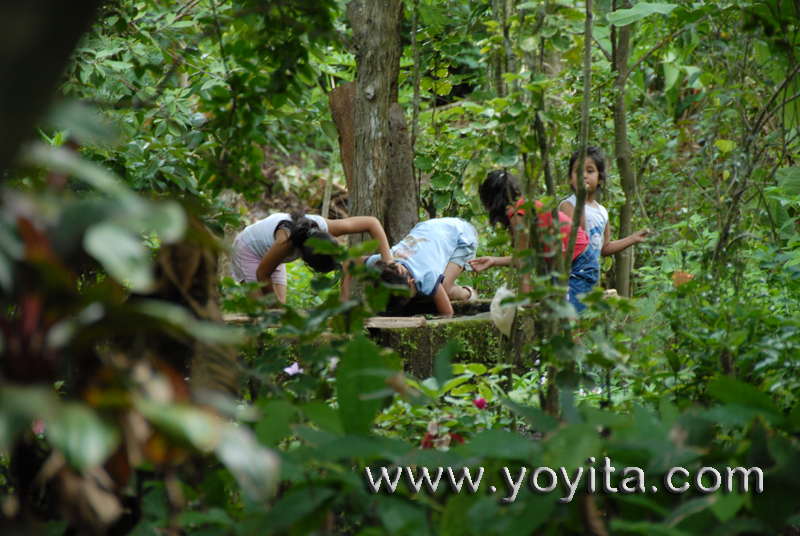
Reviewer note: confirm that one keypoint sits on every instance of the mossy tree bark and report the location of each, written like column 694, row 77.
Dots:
column 379, row 164
column 376, row 42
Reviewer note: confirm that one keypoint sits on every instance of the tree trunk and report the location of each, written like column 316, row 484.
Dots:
column 580, row 193
column 376, row 46
column 402, row 201
column 342, row 100
column 39, row 37
column 622, row 153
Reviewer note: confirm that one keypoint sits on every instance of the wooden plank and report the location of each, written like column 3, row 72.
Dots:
column 236, row 318
column 395, row 322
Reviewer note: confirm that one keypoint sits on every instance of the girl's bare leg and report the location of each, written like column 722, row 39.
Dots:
column 280, row 293
column 454, row 292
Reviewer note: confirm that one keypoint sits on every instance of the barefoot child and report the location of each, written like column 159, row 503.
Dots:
column 595, row 216
column 261, row 251
column 497, row 193
column 428, row 260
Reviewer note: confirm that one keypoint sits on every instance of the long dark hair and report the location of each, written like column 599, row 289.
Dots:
column 301, row 229
column 497, row 192
column 390, row 275
column 596, row 154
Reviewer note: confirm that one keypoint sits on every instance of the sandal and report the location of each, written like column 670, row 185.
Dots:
column 473, row 294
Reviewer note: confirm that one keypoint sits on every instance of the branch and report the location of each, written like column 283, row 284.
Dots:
column 778, row 91
column 604, row 51
column 656, row 47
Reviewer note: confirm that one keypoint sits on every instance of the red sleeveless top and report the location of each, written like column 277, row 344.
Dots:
column 545, row 221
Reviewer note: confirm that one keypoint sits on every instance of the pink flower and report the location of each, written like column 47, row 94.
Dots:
column 38, row 427
column 293, row 369
column 480, row 403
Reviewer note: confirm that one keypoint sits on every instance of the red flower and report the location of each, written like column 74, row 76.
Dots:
column 457, row 438
column 427, row 441
column 480, row 403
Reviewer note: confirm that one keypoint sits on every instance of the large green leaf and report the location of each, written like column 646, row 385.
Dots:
column 295, row 506
column 323, row 416
column 623, row 17
column 789, row 185
column 184, row 423
column 274, row 427
column 84, row 439
column 352, row 385
column 732, row 391
column 121, row 253
column 256, row 469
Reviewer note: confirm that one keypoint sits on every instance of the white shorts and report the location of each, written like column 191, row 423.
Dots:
column 244, row 264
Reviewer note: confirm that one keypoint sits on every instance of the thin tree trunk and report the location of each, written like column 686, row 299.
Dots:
column 622, row 153
column 415, row 48
column 497, row 56
column 580, row 194
column 373, row 23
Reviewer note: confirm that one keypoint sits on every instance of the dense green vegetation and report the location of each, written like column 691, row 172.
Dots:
column 164, row 105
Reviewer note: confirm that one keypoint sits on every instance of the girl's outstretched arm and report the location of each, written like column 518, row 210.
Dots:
column 610, row 248
column 279, row 250
column 363, row 224
column 483, row 263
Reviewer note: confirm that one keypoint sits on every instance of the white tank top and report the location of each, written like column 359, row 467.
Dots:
column 596, row 220
column 260, row 236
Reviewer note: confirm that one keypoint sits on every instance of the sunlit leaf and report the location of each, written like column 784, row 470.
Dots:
column 623, row 17
column 256, row 469
column 121, row 253
column 84, row 439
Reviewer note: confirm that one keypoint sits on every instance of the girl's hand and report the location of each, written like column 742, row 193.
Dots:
column 481, row 263
column 400, row 268
column 640, row 235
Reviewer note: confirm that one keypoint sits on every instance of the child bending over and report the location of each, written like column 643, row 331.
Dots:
column 261, row 251
column 428, row 261
column 497, row 193
column 595, row 217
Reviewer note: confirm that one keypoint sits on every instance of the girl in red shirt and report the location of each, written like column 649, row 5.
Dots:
column 497, row 193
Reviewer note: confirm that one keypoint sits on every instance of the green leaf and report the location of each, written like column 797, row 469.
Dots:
column 724, row 145
column 84, row 439
column 424, row 163
column 122, row 255
column 473, row 177
column 727, row 506
column 274, row 427
column 536, row 512
column 351, row 385
column 257, row 470
column 536, row 418
column 496, row 444
column 295, row 506
column 323, row 416
column 184, row 423
column 732, row 391
column 444, row 89
column 671, row 74
column 623, row 17
column 441, row 367
column 364, row 248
